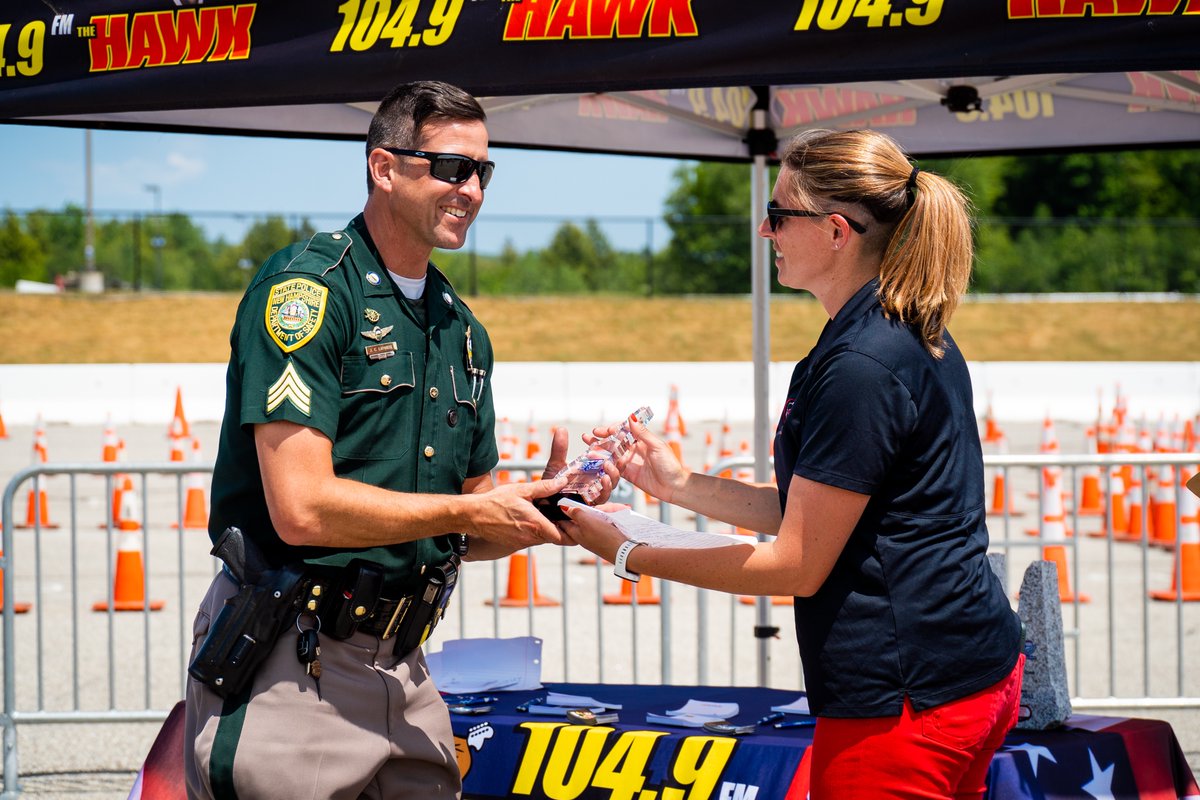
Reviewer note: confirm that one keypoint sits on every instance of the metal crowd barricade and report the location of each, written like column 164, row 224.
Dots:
column 1121, row 653
column 85, row 701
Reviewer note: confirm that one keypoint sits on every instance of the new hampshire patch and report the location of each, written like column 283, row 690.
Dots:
column 295, row 311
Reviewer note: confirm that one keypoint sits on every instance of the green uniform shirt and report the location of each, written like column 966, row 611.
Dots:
column 323, row 338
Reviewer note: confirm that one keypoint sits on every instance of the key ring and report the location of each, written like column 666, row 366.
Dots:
column 314, row 616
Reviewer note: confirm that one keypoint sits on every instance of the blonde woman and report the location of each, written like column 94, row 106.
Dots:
column 910, row 648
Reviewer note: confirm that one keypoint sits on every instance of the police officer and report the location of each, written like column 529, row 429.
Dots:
column 359, row 429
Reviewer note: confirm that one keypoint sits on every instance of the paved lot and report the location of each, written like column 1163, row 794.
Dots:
column 71, row 657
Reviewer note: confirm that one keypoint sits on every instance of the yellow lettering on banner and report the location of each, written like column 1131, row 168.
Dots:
column 534, row 755
column 1074, row 9
column 624, row 767
column 698, row 764
column 569, row 772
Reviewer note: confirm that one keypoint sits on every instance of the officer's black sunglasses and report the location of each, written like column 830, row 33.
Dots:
column 451, row 167
column 775, row 215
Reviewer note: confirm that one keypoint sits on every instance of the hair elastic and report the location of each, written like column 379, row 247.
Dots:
column 911, row 184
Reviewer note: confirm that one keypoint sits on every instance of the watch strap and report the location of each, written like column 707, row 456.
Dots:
column 619, row 562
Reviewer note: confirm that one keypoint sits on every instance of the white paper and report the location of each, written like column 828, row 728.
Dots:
column 577, row 701
column 681, row 720
column 649, row 531
column 797, row 706
column 469, row 666
column 544, row 710
column 704, row 708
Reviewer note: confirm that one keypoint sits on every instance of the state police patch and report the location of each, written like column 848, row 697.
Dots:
column 295, row 311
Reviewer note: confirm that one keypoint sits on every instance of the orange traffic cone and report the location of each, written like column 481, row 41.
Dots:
column 1162, row 533
column 991, row 432
column 645, row 594
column 522, row 584
column 1091, row 500
column 673, row 437
column 507, row 452
column 1052, row 476
column 1053, row 530
column 129, row 581
column 1000, row 494
column 179, row 425
column 1118, row 516
column 3, row 430
column 1187, row 561
column 674, row 418
column 38, row 508
column 177, row 448
column 111, row 444
column 37, row 513
column 744, row 473
column 121, row 485
column 1049, row 442
column 710, row 453
column 195, row 512
column 532, row 447
column 18, row 608
column 1134, row 506
column 129, row 516
column 725, row 445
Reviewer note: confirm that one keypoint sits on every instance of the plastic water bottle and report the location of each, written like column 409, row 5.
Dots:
column 584, row 474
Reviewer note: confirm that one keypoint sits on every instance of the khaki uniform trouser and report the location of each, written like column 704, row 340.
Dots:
column 379, row 729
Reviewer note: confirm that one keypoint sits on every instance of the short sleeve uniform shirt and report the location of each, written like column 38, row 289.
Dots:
column 323, row 338
column 911, row 607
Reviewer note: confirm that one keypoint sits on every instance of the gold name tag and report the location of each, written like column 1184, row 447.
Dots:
column 376, row 352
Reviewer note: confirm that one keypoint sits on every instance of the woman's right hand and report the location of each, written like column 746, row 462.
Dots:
column 650, row 464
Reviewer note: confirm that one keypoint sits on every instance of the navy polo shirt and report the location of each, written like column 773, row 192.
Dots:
column 911, row 608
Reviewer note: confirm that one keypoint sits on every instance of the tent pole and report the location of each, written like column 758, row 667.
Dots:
column 760, row 286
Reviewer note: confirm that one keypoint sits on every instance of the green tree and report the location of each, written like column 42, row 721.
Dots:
column 708, row 214
column 61, row 235
column 21, row 254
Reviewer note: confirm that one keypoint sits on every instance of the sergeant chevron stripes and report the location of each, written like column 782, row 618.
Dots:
column 290, row 386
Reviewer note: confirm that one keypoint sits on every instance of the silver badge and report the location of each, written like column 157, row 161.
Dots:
column 373, row 278
column 446, row 297
column 377, row 333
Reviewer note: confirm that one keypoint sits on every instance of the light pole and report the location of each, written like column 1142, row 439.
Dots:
column 91, row 280
column 157, row 241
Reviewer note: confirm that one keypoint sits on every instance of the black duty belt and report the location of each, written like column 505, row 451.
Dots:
column 386, row 617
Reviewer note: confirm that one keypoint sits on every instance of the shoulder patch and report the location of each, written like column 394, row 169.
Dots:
column 295, row 311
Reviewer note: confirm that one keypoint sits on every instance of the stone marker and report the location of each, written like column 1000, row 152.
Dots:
column 1045, row 700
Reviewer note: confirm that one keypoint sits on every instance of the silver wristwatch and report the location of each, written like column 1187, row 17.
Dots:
column 619, row 568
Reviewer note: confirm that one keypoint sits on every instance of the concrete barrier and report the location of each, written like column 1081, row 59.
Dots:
column 591, row 392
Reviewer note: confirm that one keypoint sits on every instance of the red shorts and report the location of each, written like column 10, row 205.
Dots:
column 943, row 752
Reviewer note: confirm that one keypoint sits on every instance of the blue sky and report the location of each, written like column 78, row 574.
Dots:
column 209, row 177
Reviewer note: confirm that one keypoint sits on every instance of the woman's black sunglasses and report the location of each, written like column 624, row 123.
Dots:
column 775, row 215
column 451, row 167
